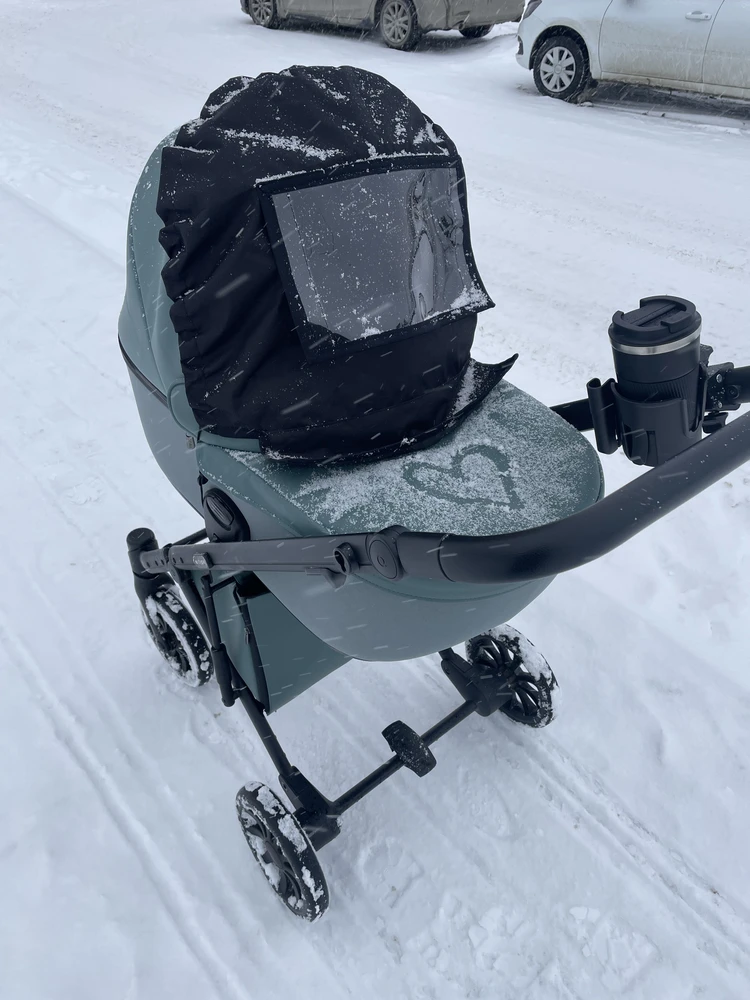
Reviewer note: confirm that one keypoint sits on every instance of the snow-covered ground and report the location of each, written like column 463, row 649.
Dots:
column 604, row 857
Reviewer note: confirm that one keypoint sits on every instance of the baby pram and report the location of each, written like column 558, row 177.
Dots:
column 319, row 546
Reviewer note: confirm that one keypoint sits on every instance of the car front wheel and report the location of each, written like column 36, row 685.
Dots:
column 561, row 68
column 264, row 13
column 399, row 27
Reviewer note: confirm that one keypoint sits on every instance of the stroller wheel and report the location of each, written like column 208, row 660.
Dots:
column 177, row 637
column 281, row 848
column 510, row 656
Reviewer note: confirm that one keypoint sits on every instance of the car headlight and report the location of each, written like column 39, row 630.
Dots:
column 531, row 6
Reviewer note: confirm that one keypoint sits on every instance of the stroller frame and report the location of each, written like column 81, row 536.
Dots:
column 316, row 814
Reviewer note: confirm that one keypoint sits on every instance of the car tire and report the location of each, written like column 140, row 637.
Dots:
column 476, row 31
column 399, row 26
column 561, row 68
column 264, row 13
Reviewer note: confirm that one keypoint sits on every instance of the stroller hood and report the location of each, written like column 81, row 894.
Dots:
column 324, row 292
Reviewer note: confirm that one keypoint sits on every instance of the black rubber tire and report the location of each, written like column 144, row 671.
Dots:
column 176, row 635
column 477, row 31
column 264, row 12
column 283, row 851
column 398, row 25
column 561, row 68
column 510, row 656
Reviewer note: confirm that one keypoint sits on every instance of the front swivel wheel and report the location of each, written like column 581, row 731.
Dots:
column 283, row 851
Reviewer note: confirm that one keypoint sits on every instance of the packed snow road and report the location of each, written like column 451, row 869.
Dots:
column 603, row 857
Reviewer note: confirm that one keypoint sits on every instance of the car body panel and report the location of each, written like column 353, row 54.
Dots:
column 317, row 9
column 656, row 39
column 715, row 58
column 431, row 14
column 727, row 61
column 476, row 12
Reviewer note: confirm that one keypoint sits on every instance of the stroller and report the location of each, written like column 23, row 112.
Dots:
column 253, row 326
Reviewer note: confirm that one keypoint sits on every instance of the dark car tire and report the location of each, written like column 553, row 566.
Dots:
column 476, row 31
column 561, row 68
column 398, row 24
column 264, row 13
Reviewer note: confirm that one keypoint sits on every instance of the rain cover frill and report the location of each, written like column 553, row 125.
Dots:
column 323, row 285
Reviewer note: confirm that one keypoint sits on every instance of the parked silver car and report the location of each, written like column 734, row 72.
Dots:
column 400, row 22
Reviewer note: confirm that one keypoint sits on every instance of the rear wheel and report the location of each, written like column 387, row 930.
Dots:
column 399, row 26
column 477, row 31
column 176, row 635
column 561, row 68
column 508, row 655
column 264, row 13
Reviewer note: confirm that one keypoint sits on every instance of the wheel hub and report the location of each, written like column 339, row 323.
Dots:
column 557, row 69
column 519, row 682
column 519, row 677
column 396, row 22
column 261, row 10
column 269, row 854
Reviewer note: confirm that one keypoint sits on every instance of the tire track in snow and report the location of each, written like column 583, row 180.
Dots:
column 49, row 216
column 168, row 887
column 554, row 212
column 662, row 862
column 568, row 786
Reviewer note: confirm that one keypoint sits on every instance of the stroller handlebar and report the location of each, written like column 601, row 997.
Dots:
column 582, row 537
column 534, row 553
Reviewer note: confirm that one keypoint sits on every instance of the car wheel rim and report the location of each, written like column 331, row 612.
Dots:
column 557, row 69
column 396, row 22
column 262, row 11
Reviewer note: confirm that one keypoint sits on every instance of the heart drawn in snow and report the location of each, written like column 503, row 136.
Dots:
column 475, row 476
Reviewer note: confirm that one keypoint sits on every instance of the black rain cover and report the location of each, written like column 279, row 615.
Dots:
column 272, row 346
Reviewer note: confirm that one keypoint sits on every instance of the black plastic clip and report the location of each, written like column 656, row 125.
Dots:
column 714, row 421
column 604, row 415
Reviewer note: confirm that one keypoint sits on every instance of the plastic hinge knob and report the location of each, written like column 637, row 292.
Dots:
column 383, row 555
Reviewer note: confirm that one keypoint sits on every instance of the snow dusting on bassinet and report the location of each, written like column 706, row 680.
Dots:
column 512, row 464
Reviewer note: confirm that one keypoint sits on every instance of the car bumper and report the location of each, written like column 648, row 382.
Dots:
column 528, row 32
column 470, row 13
column 522, row 55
